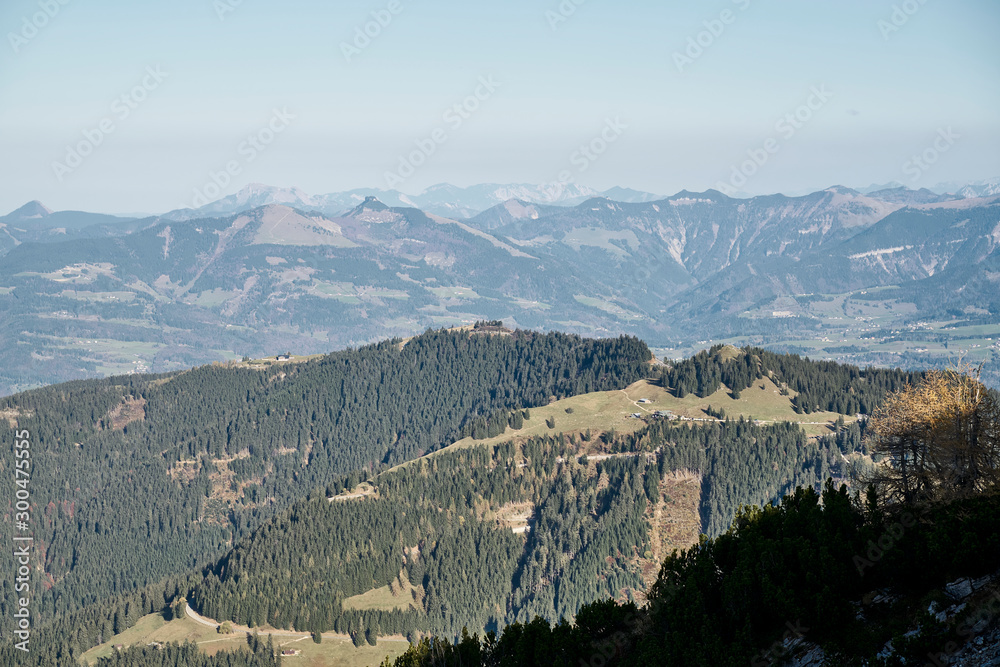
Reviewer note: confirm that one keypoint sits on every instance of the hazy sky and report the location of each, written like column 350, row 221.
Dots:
column 201, row 76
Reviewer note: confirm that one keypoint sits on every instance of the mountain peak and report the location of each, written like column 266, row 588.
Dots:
column 707, row 195
column 371, row 203
column 876, row 187
column 372, row 210
column 260, row 193
column 32, row 210
column 907, row 197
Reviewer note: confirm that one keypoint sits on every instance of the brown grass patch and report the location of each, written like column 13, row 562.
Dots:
column 131, row 409
column 183, row 471
column 516, row 516
column 222, row 488
column 12, row 415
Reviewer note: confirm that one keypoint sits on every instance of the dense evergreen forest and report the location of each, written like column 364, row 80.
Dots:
column 818, row 385
column 64, row 640
column 434, row 524
column 213, row 484
column 142, row 477
column 906, row 574
column 744, row 463
column 259, row 653
column 798, row 570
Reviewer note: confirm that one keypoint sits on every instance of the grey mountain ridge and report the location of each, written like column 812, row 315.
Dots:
column 289, row 276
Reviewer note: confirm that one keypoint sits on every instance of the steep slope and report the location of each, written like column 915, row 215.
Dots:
column 705, row 233
column 553, row 530
column 905, row 248
column 569, row 501
column 559, row 513
column 147, row 476
column 918, row 242
column 911, row 586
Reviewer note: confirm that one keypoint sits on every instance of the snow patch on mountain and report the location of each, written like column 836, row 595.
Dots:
column 879, row 252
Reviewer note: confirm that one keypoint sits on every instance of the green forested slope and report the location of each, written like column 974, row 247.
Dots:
column 824, row 570
column 297, row 569
column 136, row 478
column 140, row 479
column 589, row 536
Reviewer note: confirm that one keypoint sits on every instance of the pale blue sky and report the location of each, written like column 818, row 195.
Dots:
column 353, row 120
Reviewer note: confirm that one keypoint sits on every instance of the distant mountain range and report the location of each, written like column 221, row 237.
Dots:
column 35, row 222
column 457, row 202
column 448, row 200
column 271, row 269
column 443, row 199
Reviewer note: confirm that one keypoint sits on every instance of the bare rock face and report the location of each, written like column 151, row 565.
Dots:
column 959, row 589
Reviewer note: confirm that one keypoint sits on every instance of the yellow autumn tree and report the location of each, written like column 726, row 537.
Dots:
column 939, row 440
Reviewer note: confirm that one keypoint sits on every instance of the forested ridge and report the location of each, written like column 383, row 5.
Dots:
column 818, row 385
column 905, row 573
column 434, row 523
column 137, row 478
column 64, row 640
column 229, row 455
